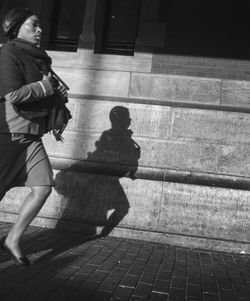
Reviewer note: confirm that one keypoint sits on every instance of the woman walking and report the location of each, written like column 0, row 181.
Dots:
column 29, row 107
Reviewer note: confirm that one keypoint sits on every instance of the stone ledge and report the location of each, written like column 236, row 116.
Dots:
column 149, row 173
column 163, row 102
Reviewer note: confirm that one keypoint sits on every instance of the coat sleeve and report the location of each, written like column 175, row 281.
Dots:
column 30, row 92
column 12, row 82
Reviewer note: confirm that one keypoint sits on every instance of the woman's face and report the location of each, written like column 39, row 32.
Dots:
column 31, row 30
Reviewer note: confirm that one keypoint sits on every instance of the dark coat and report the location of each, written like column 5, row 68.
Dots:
column 18, row 69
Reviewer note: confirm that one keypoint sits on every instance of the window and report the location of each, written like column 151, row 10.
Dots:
column 118, row 32
column 66, row 25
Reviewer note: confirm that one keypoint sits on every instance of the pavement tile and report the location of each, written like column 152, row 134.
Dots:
column 178, row 282
column 227, row 295
column 164, row 275
column 210, row 297
column 87, row 269
column 69, row 267
column 122, row 293
column 190, row 298
column 242, row 292
column 194, row 291
column 137, row 298
column 129, row 280
column 167, row 266
column 180, row 272
column 98, row 276
column 176, row 294
column 136, row 269
column 161, row 286
column 224, row 284
column 100, row 296
column 109, row 284
column 143, row 290
column 151, row 268
column 84, row 292
column 148, row 278
column 158, row 297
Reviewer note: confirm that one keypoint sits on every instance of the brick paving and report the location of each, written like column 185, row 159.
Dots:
column 71, row 266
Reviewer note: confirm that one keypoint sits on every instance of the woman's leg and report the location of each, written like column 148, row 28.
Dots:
column 29, row 209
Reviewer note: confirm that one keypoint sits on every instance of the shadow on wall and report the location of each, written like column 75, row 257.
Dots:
column 97, row 199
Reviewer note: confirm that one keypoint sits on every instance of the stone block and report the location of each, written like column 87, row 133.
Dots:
column 65, row 58
column 215, row 126
column 75, row 145
column 146, row 120
column 13, row 200
column 140, row 62
column 145, row 201
column 208, row 212
column 104, row 200
column 94, row 82
column 175, row 88
column 178, row 155
column 136, row 151
column 234, row 160
column 235, row 93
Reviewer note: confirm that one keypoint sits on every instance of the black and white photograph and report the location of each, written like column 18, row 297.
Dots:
column 124, row 150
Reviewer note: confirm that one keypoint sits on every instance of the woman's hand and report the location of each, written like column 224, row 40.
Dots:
column 62, row 91
column 49, row 78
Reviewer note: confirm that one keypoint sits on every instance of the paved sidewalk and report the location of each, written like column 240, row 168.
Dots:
column 69, row 266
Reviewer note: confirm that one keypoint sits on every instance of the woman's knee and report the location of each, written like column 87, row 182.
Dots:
column 41, row 192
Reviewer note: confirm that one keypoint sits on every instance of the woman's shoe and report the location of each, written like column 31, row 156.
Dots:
column 23, row 260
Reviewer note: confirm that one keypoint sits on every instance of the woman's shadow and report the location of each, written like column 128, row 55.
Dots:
column 93, row 199
column 95, row 196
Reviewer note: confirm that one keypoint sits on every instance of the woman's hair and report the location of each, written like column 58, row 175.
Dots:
column 14, row 20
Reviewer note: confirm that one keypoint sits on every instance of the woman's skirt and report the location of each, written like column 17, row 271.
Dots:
column 23, row 162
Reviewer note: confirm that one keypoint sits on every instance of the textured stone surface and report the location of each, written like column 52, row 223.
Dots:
column 94, row 82
column 146, row 120
column 97, row 200
column 235, row 93
column 145, row 203
column 103, row 200
column 216, row 126
column 75, row 145
column 188, row 215
column 170, row 154
column 86, row 59
column 207, row 212
column 234, row 160
column 180, row 155
column 175, row 88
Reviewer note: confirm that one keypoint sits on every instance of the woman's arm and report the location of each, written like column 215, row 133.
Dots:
column 31, row 92
column 13, row 85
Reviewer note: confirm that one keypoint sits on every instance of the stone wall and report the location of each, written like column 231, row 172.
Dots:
column 238, row 69
column 181, row 175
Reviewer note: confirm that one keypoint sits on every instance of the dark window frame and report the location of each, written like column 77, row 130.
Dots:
column 59, row 44
column 102, row 29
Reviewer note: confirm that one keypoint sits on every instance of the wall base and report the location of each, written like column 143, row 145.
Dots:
column 156, row 237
